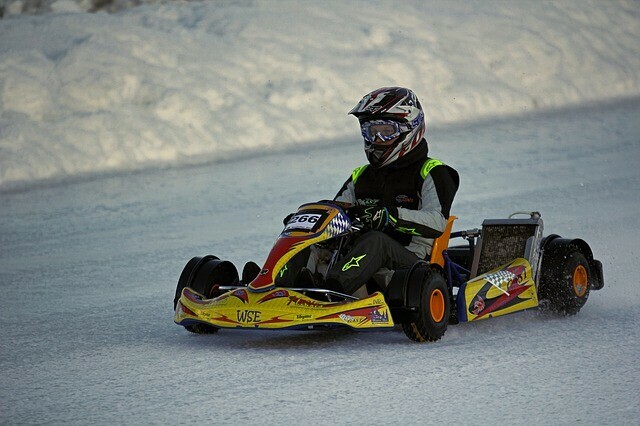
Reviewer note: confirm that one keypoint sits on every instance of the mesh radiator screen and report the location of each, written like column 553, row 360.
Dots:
column 501, row 244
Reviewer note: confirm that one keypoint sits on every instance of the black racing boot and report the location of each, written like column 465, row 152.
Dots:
column 307, row 279
column 333, row 285
column 249, row 273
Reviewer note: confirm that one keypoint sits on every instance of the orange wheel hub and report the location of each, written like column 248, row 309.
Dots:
column 436, row 305
column 580, row 281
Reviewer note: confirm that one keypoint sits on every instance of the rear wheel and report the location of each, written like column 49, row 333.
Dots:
column 434, row 310
column 565, row 288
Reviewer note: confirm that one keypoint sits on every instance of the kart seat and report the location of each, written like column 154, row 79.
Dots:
column 441, row 243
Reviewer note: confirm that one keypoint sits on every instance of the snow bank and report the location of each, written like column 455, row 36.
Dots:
column 180, row 83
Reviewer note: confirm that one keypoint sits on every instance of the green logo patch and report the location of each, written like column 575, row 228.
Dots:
column 354, row 262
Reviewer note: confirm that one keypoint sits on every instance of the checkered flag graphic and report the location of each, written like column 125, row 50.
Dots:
column 339, row 225
column 500, row 277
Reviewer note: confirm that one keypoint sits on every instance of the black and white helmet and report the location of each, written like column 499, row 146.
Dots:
column 392, row 124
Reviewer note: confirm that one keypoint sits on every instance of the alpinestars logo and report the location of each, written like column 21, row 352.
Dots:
column 354, row 262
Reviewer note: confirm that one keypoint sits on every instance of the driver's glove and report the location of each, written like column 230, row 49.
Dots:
column 373, row 217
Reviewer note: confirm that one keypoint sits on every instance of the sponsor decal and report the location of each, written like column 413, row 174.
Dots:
column 347, row 318
column 368, row 202
column 303, row 317
column 404, row 199
column 373, row 314
column 354, row 262
column 511, row 278
column 520, row 273
column 247, row 316
column 500, row 278
column 378, row 317
column 283, row 271
column 298, row 301
column 410, row 231
column 478, row 305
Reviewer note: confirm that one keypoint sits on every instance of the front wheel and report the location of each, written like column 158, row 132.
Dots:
column 434, row 310
column 204, row 275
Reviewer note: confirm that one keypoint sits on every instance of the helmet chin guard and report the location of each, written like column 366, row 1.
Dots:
column 380, row 156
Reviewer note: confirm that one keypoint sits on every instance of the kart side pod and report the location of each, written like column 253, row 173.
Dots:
column 403, row 294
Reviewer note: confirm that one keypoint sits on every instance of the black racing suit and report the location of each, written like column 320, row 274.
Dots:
column 422, row 190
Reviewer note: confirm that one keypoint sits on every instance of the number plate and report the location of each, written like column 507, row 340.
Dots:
column 305, row 221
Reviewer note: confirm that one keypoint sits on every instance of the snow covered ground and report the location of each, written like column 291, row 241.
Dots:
column 88, row 268
column 184, row 83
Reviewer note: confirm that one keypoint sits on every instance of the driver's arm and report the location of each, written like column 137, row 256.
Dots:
column 347, row 193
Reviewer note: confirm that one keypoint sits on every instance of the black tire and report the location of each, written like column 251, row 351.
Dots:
column 186, row 277
column 204, row 275
column 201, row 328
column 434, row 310
column 565, row 284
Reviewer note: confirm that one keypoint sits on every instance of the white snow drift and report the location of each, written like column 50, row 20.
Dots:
column 195, row 82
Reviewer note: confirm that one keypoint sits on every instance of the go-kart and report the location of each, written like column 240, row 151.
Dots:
column 506, row 266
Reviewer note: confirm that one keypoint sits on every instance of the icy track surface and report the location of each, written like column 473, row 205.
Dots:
column 88, row 271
